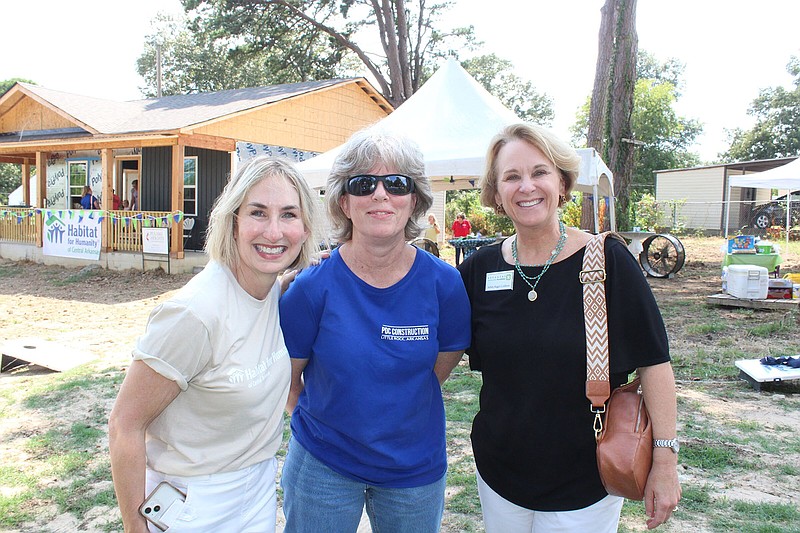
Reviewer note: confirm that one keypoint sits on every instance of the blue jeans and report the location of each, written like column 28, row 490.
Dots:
column 315, row 498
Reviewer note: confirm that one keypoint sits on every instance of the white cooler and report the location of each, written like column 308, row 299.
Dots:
column 748, row 281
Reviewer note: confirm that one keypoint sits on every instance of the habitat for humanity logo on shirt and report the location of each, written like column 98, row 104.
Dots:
column 405, row 333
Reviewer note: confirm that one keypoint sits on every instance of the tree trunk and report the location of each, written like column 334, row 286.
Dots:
column 402, row 47
column 598, row 106
column 623, row 84
column 602, row 78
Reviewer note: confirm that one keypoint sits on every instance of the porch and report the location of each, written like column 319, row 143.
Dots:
column 21, row 239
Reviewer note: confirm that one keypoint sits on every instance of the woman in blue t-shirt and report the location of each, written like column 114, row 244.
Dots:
column 88, row 200
column 372, row 332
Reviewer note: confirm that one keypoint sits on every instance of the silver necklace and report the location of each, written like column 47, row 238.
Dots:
column 562, row 239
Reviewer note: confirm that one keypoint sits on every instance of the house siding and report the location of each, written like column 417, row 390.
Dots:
column 702, row 191
column 213, row 170
column 316, row 122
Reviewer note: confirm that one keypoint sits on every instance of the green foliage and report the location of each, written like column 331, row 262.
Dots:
column 571, row 211
column 481, row 218
column 10, row 179
column 648, row 215
column 310, row 39
column 776, row 132
column 666, row 136
column 196, row 58
column 5, row 85
column 497, row 76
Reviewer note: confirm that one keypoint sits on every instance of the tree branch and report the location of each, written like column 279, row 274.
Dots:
column 342, row 40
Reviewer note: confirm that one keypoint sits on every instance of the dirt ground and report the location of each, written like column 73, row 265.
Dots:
column 103, row 312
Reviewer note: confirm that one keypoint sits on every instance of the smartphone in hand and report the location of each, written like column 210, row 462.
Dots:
column 163, row 505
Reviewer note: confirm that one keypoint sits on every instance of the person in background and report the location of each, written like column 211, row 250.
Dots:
column 115, row 201
column 125, row 204
column 373, row 332
column 461, row 228
column 135, row 195
column 88, row 200
column 432, row 231
column 201, row 406
column 533, row 437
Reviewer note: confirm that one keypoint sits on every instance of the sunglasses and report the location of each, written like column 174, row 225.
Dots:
column 395, row 184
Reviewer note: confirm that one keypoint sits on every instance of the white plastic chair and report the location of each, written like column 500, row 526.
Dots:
column 188, row 224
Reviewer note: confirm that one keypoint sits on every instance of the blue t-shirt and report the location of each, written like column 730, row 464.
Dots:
column 372, row 407
column 87, row 201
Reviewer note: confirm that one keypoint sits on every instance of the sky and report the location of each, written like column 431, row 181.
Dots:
column 731, row 49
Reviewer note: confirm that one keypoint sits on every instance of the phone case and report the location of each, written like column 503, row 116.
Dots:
column 162, row 506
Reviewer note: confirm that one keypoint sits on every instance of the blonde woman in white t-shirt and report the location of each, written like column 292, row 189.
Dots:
column 201, row 405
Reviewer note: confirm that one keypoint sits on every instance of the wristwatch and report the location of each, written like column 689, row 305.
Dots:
column 672, row 444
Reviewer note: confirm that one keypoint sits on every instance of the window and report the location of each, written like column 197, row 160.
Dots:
column 190, row 185
column 78, row 174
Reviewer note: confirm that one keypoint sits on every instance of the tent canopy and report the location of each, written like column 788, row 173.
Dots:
column 453, row 118
column 783, row 177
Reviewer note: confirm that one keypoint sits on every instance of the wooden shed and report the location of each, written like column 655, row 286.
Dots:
column 180, row 149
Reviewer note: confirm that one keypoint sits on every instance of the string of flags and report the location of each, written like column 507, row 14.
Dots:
column 135, row 219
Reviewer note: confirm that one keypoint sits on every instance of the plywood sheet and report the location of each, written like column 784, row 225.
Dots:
column 52, row 355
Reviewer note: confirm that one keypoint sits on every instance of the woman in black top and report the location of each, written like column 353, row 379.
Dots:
column 533, row 440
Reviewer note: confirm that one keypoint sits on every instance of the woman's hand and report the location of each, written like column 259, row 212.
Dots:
column 144, row 394
column 288, row 277
column 662, row 491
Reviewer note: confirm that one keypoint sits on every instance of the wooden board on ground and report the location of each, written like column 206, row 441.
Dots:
column 52, row 355
column 732, row 301
column 762, row 376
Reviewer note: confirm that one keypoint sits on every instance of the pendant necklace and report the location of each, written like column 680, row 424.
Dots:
column 562, row 239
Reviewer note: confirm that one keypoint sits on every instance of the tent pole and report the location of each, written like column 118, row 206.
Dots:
column 612, row 208
column 727, row 209
column 597, row 199
column 788, row 216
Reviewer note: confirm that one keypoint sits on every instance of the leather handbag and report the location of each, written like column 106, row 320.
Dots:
column 622, row 426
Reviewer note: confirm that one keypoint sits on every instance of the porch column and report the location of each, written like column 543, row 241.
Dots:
column 26, row 182
column 41, row 180
column 107, row 174
column 176, row 244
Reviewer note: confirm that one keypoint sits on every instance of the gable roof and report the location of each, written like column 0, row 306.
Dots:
column 168, row 113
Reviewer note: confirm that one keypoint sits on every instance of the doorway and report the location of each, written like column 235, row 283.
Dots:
column 127, row 172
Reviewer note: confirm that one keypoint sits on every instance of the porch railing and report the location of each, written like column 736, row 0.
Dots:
column 19, row 224
column 123, row 229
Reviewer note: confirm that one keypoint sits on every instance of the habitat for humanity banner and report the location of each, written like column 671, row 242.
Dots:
column 72, row 233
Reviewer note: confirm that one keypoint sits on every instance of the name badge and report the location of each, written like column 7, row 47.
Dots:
column 500, row 281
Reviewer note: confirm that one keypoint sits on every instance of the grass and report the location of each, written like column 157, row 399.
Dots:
column 10, row 270
column 64, row 467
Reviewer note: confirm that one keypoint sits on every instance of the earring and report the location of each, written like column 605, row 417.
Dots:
column 499, row 209
column 562, row 199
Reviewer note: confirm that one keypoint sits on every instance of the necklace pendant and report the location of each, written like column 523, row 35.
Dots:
column 532, row 295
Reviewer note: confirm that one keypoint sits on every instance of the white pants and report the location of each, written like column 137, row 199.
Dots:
column 502, row 516
column 229, row 502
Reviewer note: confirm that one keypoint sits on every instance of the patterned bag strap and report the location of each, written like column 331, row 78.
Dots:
column 595, row 316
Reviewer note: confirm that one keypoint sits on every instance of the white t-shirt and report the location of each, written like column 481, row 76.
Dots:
column 225, row 350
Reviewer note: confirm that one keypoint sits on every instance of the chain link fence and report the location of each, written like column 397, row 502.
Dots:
column 710, row 218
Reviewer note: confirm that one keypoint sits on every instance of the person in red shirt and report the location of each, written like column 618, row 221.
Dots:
column 115, row 201
column 461, row 228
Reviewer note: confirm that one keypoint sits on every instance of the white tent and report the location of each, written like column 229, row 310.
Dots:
column 453, row 118
column 15, row 196
column 783, row 177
